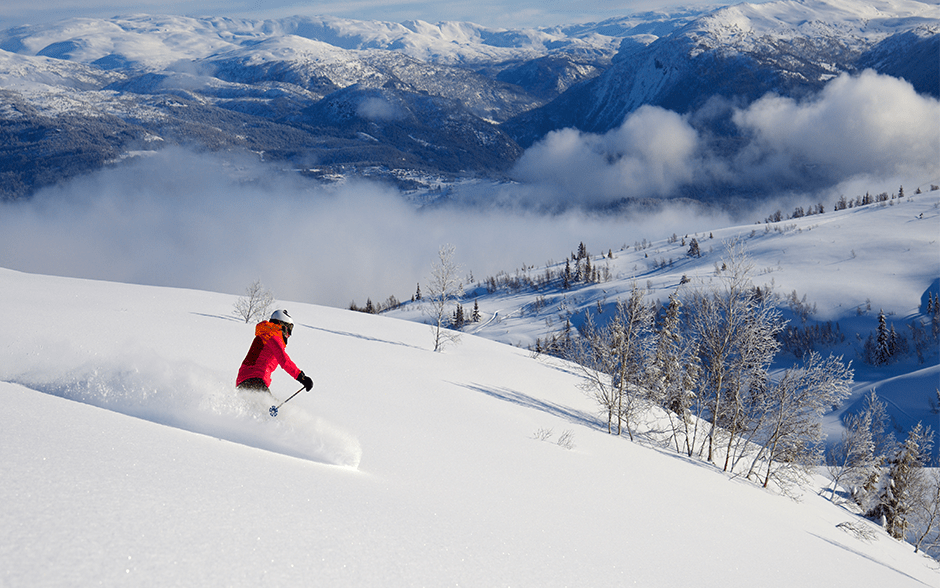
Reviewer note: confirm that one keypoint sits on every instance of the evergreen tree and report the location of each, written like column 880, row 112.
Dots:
column 582, row 251
column 886, row 344
column 694, row 250
column 663, row 372
column 901, row 484
column 883, row 445
column 883, row 352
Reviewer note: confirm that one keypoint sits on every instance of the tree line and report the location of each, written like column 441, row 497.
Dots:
column 704, row 359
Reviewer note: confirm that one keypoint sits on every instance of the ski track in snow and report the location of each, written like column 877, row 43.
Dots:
column 192, row 399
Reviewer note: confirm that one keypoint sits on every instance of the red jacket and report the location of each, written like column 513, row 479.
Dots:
column 267, row 351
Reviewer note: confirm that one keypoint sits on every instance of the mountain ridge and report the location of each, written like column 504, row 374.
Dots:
column 524, row 83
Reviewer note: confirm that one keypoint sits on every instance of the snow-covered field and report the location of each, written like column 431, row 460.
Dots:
column 126, row 458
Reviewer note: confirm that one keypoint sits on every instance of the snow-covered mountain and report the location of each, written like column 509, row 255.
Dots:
column 126, row 456
column 744, row 51
column 432, row 101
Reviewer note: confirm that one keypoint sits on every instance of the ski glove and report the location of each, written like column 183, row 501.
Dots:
column 306, row 381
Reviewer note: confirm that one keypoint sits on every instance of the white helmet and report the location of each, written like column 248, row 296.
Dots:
column 283, row 317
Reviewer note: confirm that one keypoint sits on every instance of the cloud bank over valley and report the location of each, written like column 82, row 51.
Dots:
column 868, row 128
column 218, row 221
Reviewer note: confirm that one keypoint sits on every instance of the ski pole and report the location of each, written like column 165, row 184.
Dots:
column 273, row 409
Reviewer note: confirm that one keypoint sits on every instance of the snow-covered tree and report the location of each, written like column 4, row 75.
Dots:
column 884, row 347
column 852, row 460
column 255, row 305
column 865, row 492
column 927, row 514
column 629, row 330
column 582, row 251
column 665, row 368
column 672, row 373
column 792, row 411
column 904, row 482
column 735, row 329
column 612, row 359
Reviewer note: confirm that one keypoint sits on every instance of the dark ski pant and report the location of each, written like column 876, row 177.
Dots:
column 254, row 385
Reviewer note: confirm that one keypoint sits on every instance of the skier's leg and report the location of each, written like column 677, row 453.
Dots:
column 254, row 385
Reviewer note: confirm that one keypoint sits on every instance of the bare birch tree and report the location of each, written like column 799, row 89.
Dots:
column 927, row 514
column 445, row 287
column 589, row 351
column 255, row 305
column 630, row 332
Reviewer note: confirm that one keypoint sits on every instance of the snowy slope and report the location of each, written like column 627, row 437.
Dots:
column 451, row 487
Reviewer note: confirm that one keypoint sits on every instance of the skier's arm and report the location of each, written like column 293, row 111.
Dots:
column 291, row 368
column 285, row 362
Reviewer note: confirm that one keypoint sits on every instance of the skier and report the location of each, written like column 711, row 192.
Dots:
column 268, row 350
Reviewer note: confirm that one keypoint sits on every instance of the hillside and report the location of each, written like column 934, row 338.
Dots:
column 439, row 476
column 835, row 269
column 126, row 455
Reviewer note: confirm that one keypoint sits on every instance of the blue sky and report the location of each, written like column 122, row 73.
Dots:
column 494, row 13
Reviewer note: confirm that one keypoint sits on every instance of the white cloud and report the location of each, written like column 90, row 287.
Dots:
column 652, row 153
column 870, row 126
column 218, row 222
column 379, row 109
